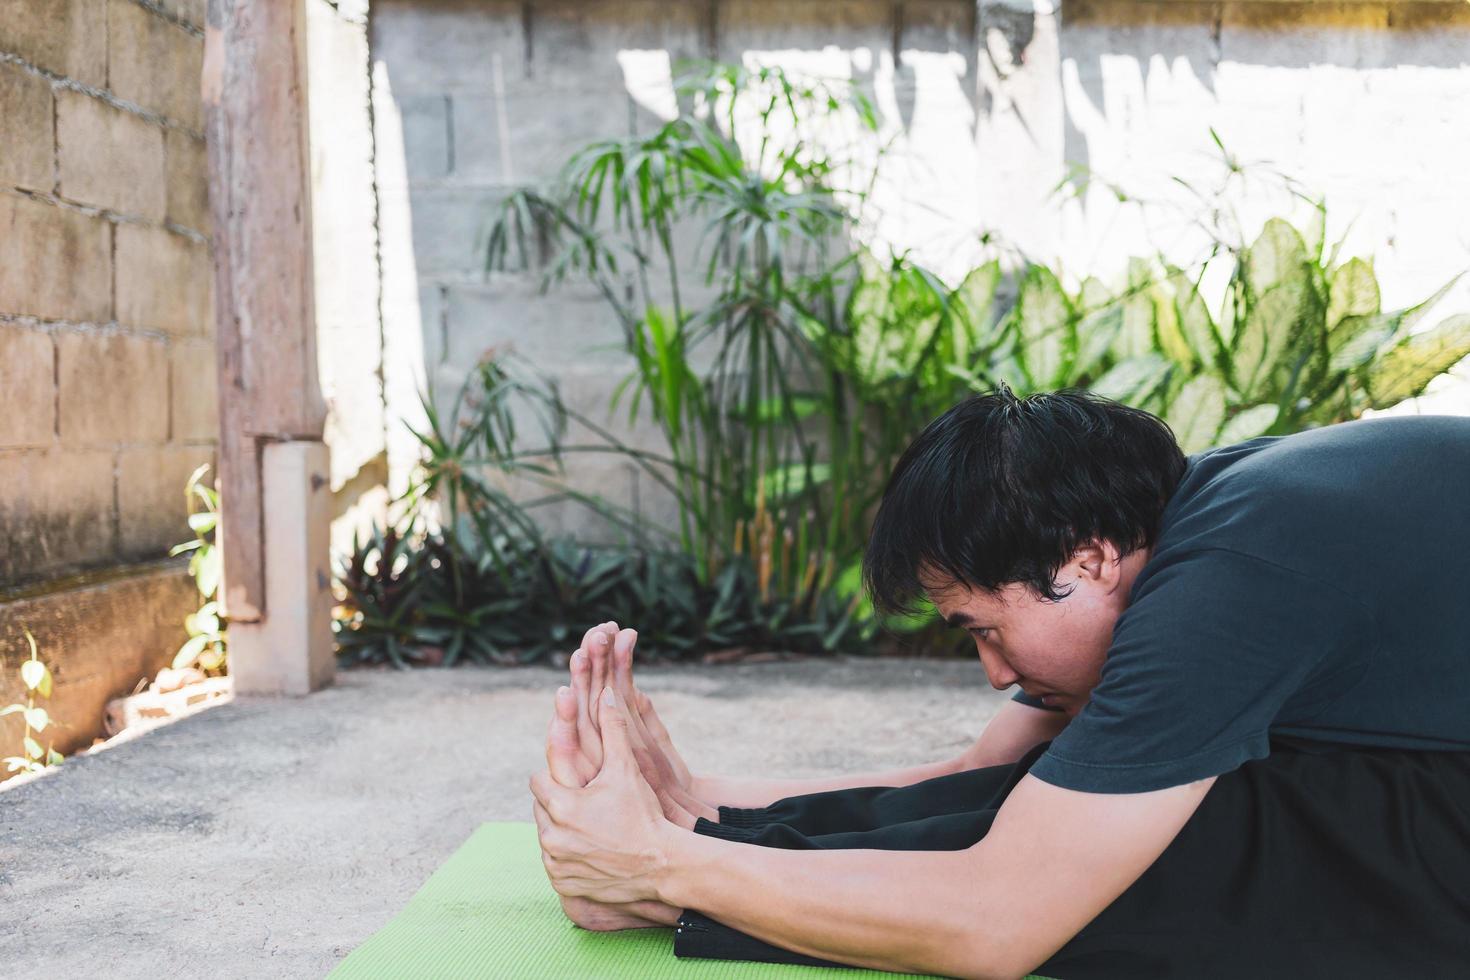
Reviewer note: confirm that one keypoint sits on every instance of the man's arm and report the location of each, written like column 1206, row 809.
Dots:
column 1014, row 729
column 1053, row 860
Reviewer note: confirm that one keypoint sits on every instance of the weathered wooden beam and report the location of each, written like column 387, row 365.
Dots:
column 254, row 90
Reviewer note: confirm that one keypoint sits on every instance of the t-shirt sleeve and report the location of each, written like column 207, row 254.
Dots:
column 1203, row 658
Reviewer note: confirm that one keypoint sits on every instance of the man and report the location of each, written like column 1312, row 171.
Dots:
column 1241, row 746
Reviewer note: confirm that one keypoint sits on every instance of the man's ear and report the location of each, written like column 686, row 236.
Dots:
column 1098, row 561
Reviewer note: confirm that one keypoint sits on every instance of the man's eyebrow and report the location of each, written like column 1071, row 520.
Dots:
column 959, row 620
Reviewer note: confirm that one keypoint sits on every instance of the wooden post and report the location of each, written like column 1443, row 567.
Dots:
column 254, row 91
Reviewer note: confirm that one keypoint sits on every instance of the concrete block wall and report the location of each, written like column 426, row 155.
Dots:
column 106, row 333
column 990, row 106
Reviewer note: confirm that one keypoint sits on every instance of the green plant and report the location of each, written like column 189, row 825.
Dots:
column 775, row 207
column 485, row 585
column 208, row 643
column 36, row 677
column 786, row 396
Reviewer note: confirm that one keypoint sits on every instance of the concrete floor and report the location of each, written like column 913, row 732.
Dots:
column 269, row 837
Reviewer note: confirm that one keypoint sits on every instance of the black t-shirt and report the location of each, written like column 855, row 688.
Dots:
column 1315, row 585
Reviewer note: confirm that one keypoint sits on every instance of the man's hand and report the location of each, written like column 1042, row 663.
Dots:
column 607, row 653
column 563, row 761
column 607, row 841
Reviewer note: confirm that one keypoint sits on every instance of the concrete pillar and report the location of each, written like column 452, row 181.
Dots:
column 275, row 488
column 290, row 650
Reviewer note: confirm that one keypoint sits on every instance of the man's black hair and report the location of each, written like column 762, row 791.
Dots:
column 1002, row 490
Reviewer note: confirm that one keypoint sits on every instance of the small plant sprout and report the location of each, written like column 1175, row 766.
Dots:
column 37, row 679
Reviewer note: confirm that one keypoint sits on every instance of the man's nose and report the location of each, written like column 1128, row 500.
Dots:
column 997, row 671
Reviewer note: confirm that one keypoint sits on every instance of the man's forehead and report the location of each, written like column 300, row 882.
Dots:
column 951, row 595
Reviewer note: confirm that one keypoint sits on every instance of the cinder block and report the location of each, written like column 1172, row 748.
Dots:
column 152, row 508
column 55, row 512
column 433, row 47
column 558, row 331
column 54, row 263
column 187, row 169
column 577, row 43
column 163, row 281
column 528, row 136
column 27, row 138
column 114, row 389
column 195, row 389
column 68, row 37
column 154, row 63
column 939, row 26
column 28, row 387
column 450, row 226
column 1353, row 35
column 109, row 158
column 425, row 135
column 805, row 25
column 190, row 11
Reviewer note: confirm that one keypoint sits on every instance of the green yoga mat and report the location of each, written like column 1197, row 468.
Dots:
column 489, row 912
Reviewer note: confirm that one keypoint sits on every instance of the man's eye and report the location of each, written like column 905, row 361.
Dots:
column 981, row 631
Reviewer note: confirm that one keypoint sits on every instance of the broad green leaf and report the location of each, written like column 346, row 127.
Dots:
column 1276, row 257
column 32, row 747
column 1172, row 341
column 1196, row 412
column 1248, row 424
column 1136, row 336
column 1133, row 380
column 209, row 571
column 189, row 652
column 1195, row 321
column 1044, row 321
column 34, row 675
column 37, row 718
column 974, row 302
column 1096, row 332
column 1419, row 311
column 1407, row 369
column 54, row 758
column 1268, row 330
column 1352, row 291
column 203, row 522
column 1357, row 339
column 212, row 658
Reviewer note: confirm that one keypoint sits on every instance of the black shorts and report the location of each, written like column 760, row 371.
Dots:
column 1319, row 861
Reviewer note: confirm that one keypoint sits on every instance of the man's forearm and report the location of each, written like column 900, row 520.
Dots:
column 719, row 791
column 904, row 911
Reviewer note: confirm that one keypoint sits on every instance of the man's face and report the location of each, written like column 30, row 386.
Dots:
column 1053, row 650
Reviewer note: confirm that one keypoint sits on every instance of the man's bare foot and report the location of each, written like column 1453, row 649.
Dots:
column 668, row 775
column 565, row 761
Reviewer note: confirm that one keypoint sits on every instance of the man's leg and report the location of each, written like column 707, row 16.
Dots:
column 835, row 818
column 1317, row 861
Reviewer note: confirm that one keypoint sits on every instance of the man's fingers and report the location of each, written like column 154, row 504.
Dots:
column 590, row 742
column 599, row 652
column 623, row 647
column 551, row 794
column 561, row 744
column 617, row 747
